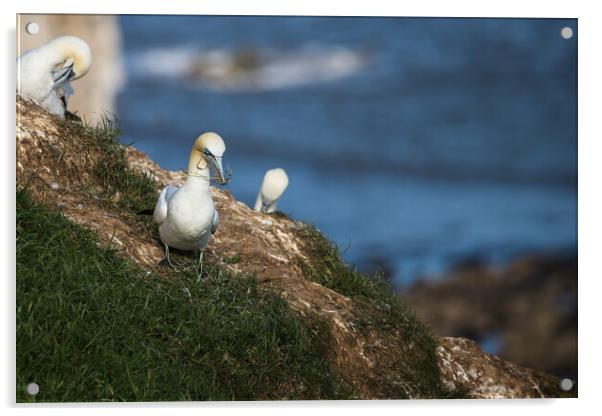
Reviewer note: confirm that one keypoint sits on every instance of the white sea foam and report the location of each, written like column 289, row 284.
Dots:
column 251, row 69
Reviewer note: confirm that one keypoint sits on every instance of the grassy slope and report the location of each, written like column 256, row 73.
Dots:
column 92, row 326
column 380, row 310
column 113, row 182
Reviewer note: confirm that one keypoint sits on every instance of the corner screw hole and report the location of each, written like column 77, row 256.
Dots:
column 32, row 389
column 32, row 28
column 566, row 32
column 566, row 384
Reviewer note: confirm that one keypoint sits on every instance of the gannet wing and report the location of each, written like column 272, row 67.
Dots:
column 160, row 213
column 215, row 222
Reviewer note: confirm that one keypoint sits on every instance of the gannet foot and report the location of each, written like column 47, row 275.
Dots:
column 199, row 267
column 167, row 259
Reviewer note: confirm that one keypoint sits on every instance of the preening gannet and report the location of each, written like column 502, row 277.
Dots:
column 186, row 215
column 273, row 186
column 44, row 73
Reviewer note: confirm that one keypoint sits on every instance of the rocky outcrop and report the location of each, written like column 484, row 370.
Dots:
column 529, row 308
column 463, row 364
column 54, row 164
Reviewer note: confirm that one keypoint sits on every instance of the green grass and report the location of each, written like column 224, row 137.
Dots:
column 328, row 269
column 380, row 309
column 93, row 327
column 113, row 181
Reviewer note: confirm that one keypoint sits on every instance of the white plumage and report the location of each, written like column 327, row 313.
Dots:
column 186, row 215
column 273, row 186
column 45, row 73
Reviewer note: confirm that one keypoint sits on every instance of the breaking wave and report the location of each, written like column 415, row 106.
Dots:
column 250, row 69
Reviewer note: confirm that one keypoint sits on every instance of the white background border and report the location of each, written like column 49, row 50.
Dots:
column 589, row 35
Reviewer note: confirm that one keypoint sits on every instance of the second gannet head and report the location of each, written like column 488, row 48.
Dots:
column 273, row 186
column 71, row 57
column 207, row 152
column 45, row 72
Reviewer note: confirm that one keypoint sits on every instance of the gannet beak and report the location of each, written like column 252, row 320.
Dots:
column 265, row 206
column 217, row 166
column 64, row 74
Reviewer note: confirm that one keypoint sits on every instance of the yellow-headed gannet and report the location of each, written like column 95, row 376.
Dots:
column 44, row 73
column 186, row 215
column 273, row 186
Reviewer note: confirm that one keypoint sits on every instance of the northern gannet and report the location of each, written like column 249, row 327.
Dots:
column 186, row 215
column 44, row 73
column 273, row 186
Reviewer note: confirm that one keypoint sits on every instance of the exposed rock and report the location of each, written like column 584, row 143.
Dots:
column 270, row 247
column 463, row 364
column 530, row 306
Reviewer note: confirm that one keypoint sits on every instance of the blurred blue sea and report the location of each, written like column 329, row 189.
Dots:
column 414, row 143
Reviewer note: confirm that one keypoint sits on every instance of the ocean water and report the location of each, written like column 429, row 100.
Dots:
column 414, row 143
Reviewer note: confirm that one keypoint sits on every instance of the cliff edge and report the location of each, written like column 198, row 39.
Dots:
column 375, row 346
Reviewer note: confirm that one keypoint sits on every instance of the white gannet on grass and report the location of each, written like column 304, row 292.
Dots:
column 273, row 186
column 186, row 215
column 44, row 73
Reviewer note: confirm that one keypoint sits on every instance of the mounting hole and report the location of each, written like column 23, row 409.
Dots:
column 566, row 384
column 566, row 32
column 32, row 389
column 32, row 28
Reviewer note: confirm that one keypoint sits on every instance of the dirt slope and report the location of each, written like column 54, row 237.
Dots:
column 55, row 164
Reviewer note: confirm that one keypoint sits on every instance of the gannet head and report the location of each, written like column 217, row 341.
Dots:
column 212, row 147
column 73, row 56
column 274, row 184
